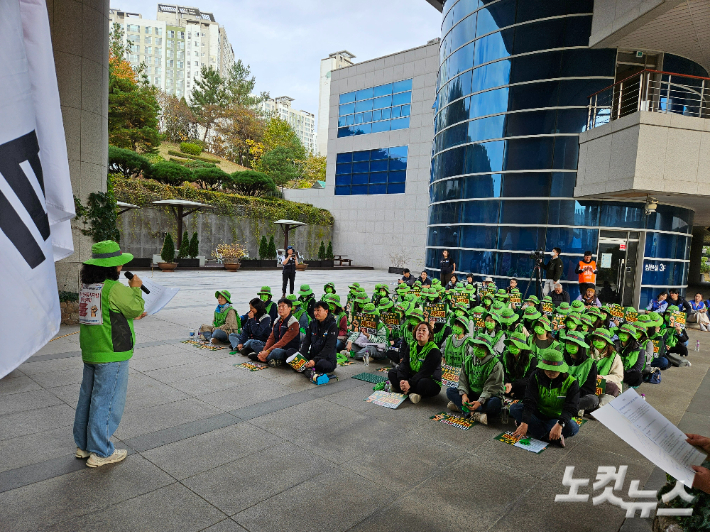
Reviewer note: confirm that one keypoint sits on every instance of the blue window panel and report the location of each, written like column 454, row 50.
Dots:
column 533, row 185
column 514, row 265
column 365, row 105
column 537, row 66
column 443, row 236
column 496, row 16
column 345, row 132
column 384, row 101
column 359, row 118
column 398, row 151
column 377, row 115
column 397, row 177
column 386, row 114
column 451, row 162
column 446, row 190
column 350, row 119
column 396, row 112
column 486, row 157
column 494, row 46
column 573, row 213
column 580, row 6
column 492, row 127
column 572, row 239
column 342, row 180
column 457, row 111
column 542, row 35
column 528, row 11
column 398, row 164
column 361, row 156
column 665, row 245
column 344, row 168
column 381, row 153
column 406, row 110
column 534, row 96
column 358, row 190
column 571, row 120
column 399, row 123
column 402, row 98
column 346, row 109
column 400, row 86
column 462, row 33
column 377, row 189
column 454, row 136
column 395, row 188
column 382, row 90
column 577, row 31
column 363, row 129
column 481, row 212
column 489, row 76
column 483, row 186
column 347, row 97
column 379, row 177
column 342, row 121
column 479, row 236
column 577, row 91
column 480, row 262
column 622, row 215
column 667, row 218
column 455, row 11
column 530, row 123
column 379, row 166
column 457, row 62
column 566, row 153
column 360, row 179
column 659, row 272
column 533, row 153
column 344, row 157
column 563, row 184
column 342, row 191
column 521, row 238
column 364, row 94
column 367, row 117
column 361, row 167
column 378, row 127
column 489, row 103
column 588, row 62
column 524, row 212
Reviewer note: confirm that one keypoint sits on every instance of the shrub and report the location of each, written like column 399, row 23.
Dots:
column 196, row 157
column 263, row 248
column 329, row 252
column 171, row 173
column 192, row 164
column 184, row 250
column 251, row 183
column 168, row 252
column 190, row 148
column 194, row 246
column 127, row 162
column 68, row 296
column 272, row 248
column 211, row 178
column 321, row 251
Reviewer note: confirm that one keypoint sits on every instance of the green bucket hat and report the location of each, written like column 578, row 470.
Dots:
column 108, row 253
column 402, row 306
column 385, row 288
column 655, row 320
column 492, row 315
column 470, row 289
column 630, row 329
column 402, row 287
column 497, row 307
column 415, row 312
column 353, row 286
column 502, row 294
column 418, row 284
column 225, row 294
column 586, row 320
column 265, row 291
column 643, row 321
column 294, row 300
column 595, row 311
column 305, row 290
column 573, row 317
column 369, row 308
column 563, row 308
column 552, row 360
column 518, row 340
column 435, row 281
column 531, row 313
column 385, row 305
column 484, row 340
column 360, row 297
column 331, row 285
column 508, row 316
column 604, row 335
column 463, row 320
column 547, row 299
column 515, row 291
column 545, row 322
column 332, row 298
column 577, row 306
column 478, row 310
column 533, row 299
column 577, row 338
column 459, row 286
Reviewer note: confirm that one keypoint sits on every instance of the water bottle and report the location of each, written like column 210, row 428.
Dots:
column 504, row 416
column 366, row 359
column 697, row 345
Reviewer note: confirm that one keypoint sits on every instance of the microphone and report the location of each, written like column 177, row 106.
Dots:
column 129, row 276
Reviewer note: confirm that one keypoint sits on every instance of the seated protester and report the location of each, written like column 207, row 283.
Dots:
column 352, row 289
column 572, row 323
column 401, row 291
column 319, row 344
column 589, row 299
column 632, row 356
column 542, row 338
column 491, row 328
column 284, row 339
column 419, row 373
column 502, row 295
column 424, row 280
column 518, row 364
column 481, row 383
column 486, row 301
column 581, row 366
column 595, row 316
column 454, row 348
column 513, row 285
column 383, row 294
column 393, row 331
column 587, row 324
column 644, row 342
column 659, row 304
column 550, row 403
column 412, row 318
column 530, row 316
column 226, row 320
column 255, row 332
column 357, row 338
column 577, row 307
column 269, row 306
column 674, row 298
column 470, row 291
column 609, row 365
column 657, row 338
column 451, row 285
column 559, row 295
column 676, row 337
column 607, row 320
column 531, row 301
column 699, row 313
column 328, row 288
column 507, row 319
column 376, row 294
column 308, row 300
column 341, row 319
column 357, row 303
column 407, row 278
column 299, row 313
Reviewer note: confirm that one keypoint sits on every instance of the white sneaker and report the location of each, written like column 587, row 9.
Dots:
column 481, row 418
column 580, row 413
column 452, row 406
column 82, row 454
column 97, row 461
column 415, row 398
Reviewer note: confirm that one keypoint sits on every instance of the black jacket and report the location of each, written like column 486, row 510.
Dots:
column 409, row 281
column 631, row 346
column 681, row 303
column 588, row 387
column 425, row 282
column 569, row 408
column 309, row 303
column 553, row 269
column 256, row 329
column 320, row 339
column 272, row 310
column 513, row 369
column 562, row 297
column 446, row 265
column 430, row 368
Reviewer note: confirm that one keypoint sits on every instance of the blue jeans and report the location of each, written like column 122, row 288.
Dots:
column 257, row 346
column 492, row 407
column 280, row 354
column 660, row 362
column 359, row 354
column 540, row 426
column 102, row 398
column 219, row 334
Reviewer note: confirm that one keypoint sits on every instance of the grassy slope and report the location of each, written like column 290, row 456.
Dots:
column 225, row 165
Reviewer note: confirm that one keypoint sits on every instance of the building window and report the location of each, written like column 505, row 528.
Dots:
column 197, row 53
column 189, row 35
column 148, row 30
column 197, row 63
column 157, row 79
column 379, row 171
column 181, row 35
column 133, row 38
column 181, row 64
column 375, row 109
column 158, row 70
column 133, row 27
column 159, row 31
column 181, row 55
column 170, row 53
column 171, row 34
column 181, row 45
column 148, row 50
column 159, row 41
column 133, row 58
column 171, row 63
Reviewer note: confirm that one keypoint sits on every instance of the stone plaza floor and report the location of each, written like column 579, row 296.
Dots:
column 213, row 447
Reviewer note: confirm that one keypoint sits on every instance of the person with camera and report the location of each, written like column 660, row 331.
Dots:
column 289, row 270
column 553, row 270
column 447, row 267
column 107, row 339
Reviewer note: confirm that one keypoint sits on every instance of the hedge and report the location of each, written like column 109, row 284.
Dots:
column 196, row 157
column 170, row 173
column 127, row 162
column 190, row 148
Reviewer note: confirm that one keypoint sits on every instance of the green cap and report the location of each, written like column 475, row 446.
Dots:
column 402, row 288
column 533, row 299
column 369, row 308
column 577, row 338
column 304, row 291
column 603, row 334
column 478, row 310
column 463, row 320
column 225, row 294
column 360, row 297
column 415, row 312
column 531, row 313
column 572, row 316
column 435, row 281
column 402, row 306
column 484, row 340
column 108, row 253
column 331, row 285
column 594, row 311
column 470, row 289
column 655, row 320
column 518, row 340
column 586, row 320
column 508, row 316
column 577, row 306
column 552, row 360
column 354, row 286
column 547, row 299
column 630, row 329
column 563, row 308
column 497, row 307
column 265, row 291
column 294, row 300
column 502, row 294
column 332, row 298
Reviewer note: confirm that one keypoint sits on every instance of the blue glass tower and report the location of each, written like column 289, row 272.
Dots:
column 512, row 93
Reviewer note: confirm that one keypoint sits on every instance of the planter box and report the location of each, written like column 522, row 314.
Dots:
column 315, row 263
column 138, row 263
column 189, row 263
column 167, row 266
column 251, row 264
column 327, row 264
column 398, row 271
column 232, row 266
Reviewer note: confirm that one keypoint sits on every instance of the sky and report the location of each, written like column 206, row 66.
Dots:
column 284, row 40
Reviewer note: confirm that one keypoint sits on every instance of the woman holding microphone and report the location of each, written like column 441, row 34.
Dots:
column 289, row 265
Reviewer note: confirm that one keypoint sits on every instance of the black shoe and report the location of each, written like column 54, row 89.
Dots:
column 253, row 356
column 275, row 362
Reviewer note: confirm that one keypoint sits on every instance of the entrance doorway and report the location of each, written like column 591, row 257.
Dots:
column 616, row 266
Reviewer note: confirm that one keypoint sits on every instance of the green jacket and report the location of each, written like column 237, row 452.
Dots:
column 454, row 354
column 482, row 376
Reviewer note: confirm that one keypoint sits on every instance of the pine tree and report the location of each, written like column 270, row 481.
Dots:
column 168, row 252
column 329, row 251
column 321, row 251
column 194, row 246
column 272, row 248
column 263, row 248
column 184, row 250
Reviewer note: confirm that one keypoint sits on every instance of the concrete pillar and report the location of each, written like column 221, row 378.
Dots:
column 80, row 31
column 696, row 252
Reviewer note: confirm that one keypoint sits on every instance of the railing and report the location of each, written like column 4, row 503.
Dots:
column 650, row 90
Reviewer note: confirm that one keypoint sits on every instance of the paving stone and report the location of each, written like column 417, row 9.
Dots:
column 38, row 447
column 162, row 416
column 17, row 382
column 246, row 392
column 187, row 371
column 30, row 422
column 32, row 400
column 228, row 525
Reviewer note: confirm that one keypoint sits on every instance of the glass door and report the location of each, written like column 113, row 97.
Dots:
column 616, row 267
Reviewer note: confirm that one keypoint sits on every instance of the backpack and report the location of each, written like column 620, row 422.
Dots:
column 653, row 377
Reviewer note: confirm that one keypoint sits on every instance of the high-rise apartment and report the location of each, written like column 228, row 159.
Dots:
column 334, row 61
column 302, row 122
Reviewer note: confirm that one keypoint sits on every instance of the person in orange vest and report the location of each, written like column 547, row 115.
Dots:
column 587, row 271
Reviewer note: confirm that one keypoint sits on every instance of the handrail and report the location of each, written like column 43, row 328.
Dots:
column 649, row 70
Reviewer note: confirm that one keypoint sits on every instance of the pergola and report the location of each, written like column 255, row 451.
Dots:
column 178, row 207
column 286, row 226
column 125, row 207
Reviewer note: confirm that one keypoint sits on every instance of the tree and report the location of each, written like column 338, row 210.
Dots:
column 251, row 183
column 280, row 165
column 194, row 246
column 239, row 86
column 211, row 178
column 329, row 251
column 238, row 135
column 168, row 252
column 263, row 248
column 272, row 248
column 312, row 169
column 209, row 97
column 321, row 251
column 278, row 132
column 177, row 121
column 127, row 162
column 171, row 173
column 100, row 215
column 184, row 250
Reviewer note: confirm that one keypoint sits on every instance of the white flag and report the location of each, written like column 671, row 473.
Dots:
column 36, row 200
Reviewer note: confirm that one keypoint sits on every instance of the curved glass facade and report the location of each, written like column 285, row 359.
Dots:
column 514, row 78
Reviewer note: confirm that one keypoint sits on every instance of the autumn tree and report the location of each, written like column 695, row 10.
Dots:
column 177, row 121
column 312, row 169
column 238, row 135
column 209, row 98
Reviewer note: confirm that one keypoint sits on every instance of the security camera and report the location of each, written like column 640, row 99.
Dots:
column 651, row 205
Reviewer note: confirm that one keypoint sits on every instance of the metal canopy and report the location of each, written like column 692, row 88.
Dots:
column 288, row 225
column 125, row 207
column 178, row 206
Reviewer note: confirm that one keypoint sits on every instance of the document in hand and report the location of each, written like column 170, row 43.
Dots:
column 159, row 295
column 643, row 427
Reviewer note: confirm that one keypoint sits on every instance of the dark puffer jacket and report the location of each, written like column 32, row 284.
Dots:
column 319, row 342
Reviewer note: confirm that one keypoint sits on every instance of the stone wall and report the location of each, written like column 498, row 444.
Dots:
column 143, row 232
column 70, row 312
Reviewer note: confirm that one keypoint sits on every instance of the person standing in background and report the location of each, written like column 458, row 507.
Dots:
column 289, row 274
column 553, row 269
column 447, row 267
column 586, row 271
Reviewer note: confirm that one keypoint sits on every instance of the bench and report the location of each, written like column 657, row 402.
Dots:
column 341, row 260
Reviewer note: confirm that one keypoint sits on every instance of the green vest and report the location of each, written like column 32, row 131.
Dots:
column 629, row 361
column 113, row 340
column 581, row 371
column 416, row 361
column 552, row 399
column 477, row 375
column 604, row 365
column 453, row 356
column 221, row 317
column 508, row 368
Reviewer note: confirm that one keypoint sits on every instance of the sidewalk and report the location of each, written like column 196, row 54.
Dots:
column 213, row 447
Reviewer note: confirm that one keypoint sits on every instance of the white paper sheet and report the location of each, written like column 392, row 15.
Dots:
column 159, row 295
column 643, row 427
